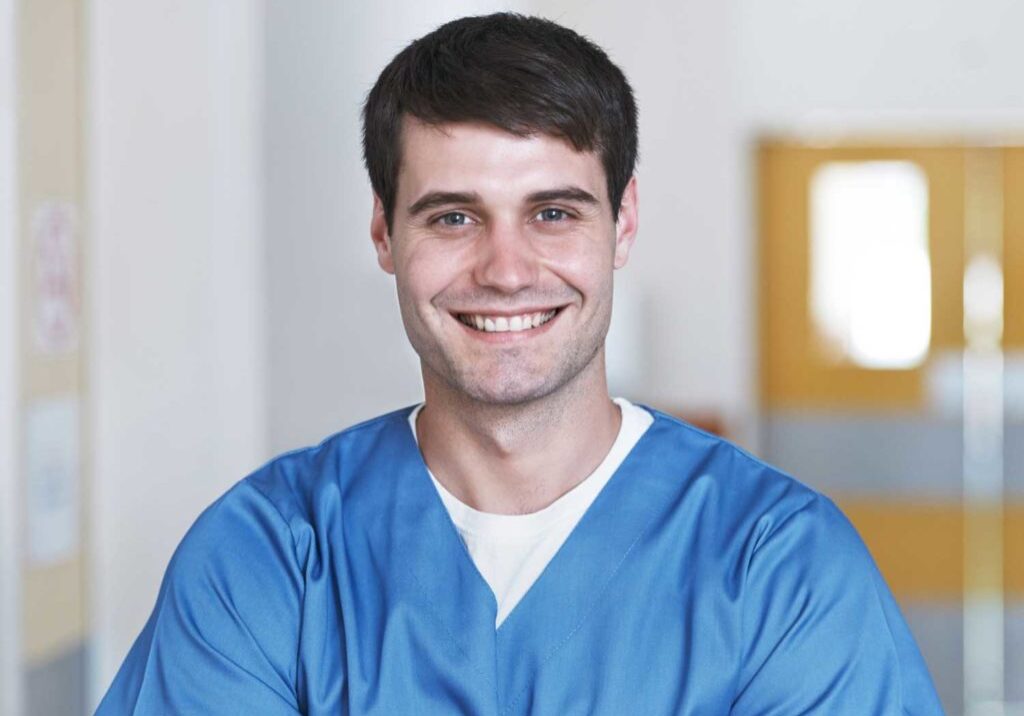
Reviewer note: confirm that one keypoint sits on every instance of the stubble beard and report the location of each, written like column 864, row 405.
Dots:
column 509, row 379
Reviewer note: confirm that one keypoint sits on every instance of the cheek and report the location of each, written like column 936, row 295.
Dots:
column 422, row 273
column 586, row 268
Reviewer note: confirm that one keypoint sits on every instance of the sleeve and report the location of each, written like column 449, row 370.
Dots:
column 823, row 634
column 223, row 637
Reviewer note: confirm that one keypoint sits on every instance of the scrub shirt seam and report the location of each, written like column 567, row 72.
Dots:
column 760, row 543
column 721, row 440
column 596, row 600
column 169, row 592
column 892, row 641
column 449, row 633
column 786, row 519
column 284, row 520
column 293, row 703
column 878, row 602
column 302, row 581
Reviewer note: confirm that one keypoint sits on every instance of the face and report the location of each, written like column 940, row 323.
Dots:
column 503, row 250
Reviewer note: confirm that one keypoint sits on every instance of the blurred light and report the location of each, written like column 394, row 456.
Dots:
column 983, row 300
column 870, row 270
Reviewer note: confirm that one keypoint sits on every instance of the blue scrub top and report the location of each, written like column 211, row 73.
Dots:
column 700, row 581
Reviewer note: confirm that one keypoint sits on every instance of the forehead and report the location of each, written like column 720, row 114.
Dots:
column 481, row 158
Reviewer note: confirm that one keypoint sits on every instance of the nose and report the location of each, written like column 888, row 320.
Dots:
column 506, row 260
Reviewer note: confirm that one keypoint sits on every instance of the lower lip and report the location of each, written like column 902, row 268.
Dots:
column 509, row 336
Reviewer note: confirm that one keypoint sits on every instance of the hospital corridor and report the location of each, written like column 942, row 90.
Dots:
column 828, row 272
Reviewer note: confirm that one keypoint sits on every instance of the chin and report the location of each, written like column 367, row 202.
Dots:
column 511, row 382
column 505, row 394
column 507, row 390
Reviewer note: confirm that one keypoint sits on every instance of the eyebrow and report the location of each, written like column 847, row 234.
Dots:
column 566, row 193
column 435, row 199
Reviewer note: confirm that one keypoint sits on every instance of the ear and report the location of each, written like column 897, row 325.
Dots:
column 381, row 236
column 626, row 224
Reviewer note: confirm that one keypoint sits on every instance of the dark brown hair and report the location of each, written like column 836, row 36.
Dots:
column 522, row 74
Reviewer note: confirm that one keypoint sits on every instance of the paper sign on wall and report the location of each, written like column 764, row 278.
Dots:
column 52, row 464
column 55, row 298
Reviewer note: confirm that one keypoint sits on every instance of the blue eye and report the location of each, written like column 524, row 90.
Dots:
column 552, row 215
column 454, row 218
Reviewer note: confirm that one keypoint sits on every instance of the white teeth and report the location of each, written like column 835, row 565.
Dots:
column 504, row 324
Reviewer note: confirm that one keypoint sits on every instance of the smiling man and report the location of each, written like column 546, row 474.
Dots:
column 503, row 247
column 519, row 543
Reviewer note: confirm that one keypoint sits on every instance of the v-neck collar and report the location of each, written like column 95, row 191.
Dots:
column 579, row 575
column 572, row 504
column 427, row 546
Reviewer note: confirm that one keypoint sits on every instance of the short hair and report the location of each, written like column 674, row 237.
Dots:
column 525, row 75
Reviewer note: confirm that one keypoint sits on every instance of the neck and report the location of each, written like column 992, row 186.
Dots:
column 517, row 459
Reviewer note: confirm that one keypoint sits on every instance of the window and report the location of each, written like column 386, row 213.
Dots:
column 870, row 273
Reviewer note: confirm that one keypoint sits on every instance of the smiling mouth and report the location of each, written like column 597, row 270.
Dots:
column 506, row 324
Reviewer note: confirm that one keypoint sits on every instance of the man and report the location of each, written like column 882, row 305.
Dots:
column 520, row 543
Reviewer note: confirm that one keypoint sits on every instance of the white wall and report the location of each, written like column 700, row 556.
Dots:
column 175, row 286
column 10, row 520
column 337, row 350
column 870, row 65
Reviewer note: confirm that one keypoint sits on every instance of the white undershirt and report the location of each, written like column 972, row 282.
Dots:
column 510, row 551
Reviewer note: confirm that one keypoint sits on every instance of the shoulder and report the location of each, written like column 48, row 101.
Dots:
column 229, row 604
column 737, row 490
column 820, row 628
column 277, row 511
column 273, row 518
column 239, row 529
column 299, row 482
column 765, row 526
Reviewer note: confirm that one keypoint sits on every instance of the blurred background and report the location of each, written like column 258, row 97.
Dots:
column 830, row 271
